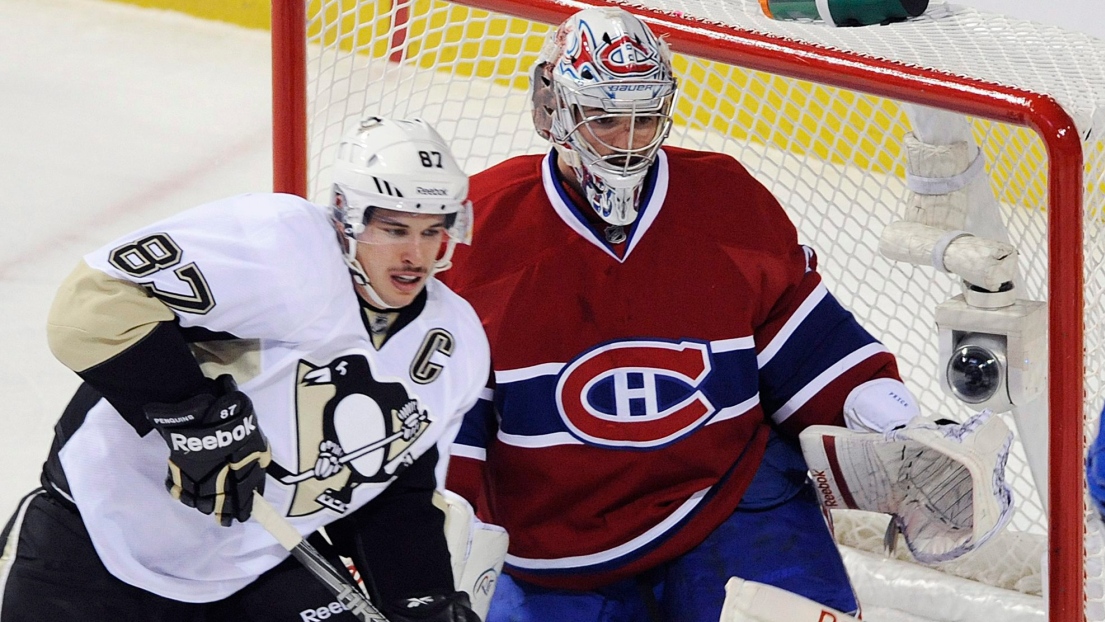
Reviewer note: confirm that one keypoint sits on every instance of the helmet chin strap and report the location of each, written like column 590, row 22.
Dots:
column 360, row 278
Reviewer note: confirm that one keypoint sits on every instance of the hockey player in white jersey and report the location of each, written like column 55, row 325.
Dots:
column 265, row 344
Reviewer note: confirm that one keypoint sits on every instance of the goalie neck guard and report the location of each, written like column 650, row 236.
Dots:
column 602, row 92
column 404, row 166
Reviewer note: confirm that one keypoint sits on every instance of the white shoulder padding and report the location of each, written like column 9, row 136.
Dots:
column 748, row 601
column 477, row 551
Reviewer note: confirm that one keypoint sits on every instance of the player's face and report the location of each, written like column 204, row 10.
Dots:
column 397, row 251
column 609, row 134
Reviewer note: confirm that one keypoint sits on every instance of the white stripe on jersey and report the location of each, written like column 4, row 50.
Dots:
column 541, row 440
column 731, row 345
column 736, row 410
column 800, row 314
column 582, row 561
column 525, row 373
column 826, row 377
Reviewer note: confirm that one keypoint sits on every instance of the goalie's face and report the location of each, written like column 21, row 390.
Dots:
column 622, row 142
column 613, row 151
column 398, row 252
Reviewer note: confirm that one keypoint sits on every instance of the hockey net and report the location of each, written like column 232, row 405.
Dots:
column 814, row 113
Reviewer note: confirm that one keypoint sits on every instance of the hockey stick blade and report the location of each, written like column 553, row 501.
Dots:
column 348, row 594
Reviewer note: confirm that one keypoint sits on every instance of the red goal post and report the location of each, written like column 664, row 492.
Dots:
column 813, row 97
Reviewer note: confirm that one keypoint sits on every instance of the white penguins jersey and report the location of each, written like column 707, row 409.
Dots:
column 266, row 270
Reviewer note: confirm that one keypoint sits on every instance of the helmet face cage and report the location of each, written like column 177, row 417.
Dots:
column 611, row 81
column 608, row 139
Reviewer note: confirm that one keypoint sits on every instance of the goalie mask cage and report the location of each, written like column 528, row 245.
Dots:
column 814, row 112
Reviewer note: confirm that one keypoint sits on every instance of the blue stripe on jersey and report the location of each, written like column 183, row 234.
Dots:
column 478, row 427
column 529, row 407
column 827, row 335
column 735, row 378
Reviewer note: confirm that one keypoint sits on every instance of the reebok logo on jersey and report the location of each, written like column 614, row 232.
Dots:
column 221, row 438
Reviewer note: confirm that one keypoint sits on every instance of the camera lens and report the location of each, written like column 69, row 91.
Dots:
column 974, row 373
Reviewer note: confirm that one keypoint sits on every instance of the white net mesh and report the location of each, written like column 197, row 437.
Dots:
column 832, row 156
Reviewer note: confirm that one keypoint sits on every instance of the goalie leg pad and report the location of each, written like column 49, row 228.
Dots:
column 748, row 601
column 944, row 484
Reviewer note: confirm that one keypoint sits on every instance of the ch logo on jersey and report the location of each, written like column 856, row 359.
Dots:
column 353, row 428
column 635, row 393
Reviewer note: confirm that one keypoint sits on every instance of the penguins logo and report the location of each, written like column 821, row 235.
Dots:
column 352, row 429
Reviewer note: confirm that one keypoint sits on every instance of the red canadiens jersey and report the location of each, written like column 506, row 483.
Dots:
column 634, row 384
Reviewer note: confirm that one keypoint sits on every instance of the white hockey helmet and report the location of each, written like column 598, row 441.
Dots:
column 400, row 165
column 603, row 67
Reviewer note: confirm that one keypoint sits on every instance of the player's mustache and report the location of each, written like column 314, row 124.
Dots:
column 409, row 267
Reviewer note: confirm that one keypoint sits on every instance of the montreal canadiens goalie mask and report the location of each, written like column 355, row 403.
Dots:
column 404, row 166
column 602, row 92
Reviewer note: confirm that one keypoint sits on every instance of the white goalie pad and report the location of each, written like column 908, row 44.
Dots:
column 477, row 551
column 748, row 601
column 943, row 484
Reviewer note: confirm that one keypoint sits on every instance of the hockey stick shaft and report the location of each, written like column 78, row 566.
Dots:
column 348, row 594
column 309, row 473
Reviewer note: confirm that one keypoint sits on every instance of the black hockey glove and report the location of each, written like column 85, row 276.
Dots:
column 217, row 454
column 453, row 607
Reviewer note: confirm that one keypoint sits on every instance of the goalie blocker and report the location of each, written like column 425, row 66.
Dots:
column 944, row 484
column 477, row 550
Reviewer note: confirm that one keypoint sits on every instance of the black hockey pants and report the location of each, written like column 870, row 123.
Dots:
column 50, row 572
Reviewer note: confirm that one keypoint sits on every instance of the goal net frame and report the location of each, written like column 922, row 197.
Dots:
column 759, row 51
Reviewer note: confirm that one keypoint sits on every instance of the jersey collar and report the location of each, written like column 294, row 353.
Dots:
column 381, row 324
column 655, row 191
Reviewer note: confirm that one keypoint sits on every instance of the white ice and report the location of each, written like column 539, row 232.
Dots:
column 111, row 117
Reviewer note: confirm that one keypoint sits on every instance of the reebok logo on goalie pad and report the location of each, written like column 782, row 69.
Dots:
column 828, row 499
column 221, row 438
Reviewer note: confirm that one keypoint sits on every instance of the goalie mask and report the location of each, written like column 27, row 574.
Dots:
column 405, row 166
column 602, row 92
